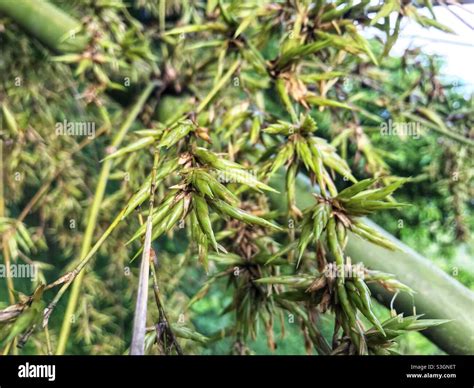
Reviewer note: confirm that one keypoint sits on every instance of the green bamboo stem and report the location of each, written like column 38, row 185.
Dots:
column 47, row 23
column 2, row 198
column 5, row 249
column 92, row 220
column 441, row 131
column 6, row 236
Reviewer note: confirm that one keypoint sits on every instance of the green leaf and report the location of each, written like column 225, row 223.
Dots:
column 321, row 101
column 387, row 8
column 137, row 145
column 356, row 188
column 238, row 214
column 176, row 133
column 214, row 27
column 202, row 213
column 299, row 51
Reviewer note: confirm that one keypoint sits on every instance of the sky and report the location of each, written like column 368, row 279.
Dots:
column 457, row 49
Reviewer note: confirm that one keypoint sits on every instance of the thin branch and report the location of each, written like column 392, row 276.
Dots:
column 139, row 322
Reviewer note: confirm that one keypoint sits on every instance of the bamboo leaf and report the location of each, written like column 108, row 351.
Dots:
column 135, row 146
column 214, row 27
column 321, row 101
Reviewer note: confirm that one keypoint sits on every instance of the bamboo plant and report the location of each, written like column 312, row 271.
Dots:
column 182, row 192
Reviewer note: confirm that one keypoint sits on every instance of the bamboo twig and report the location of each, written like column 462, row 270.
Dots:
column 162, row 316
column 92, row 221
column 139, row 322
